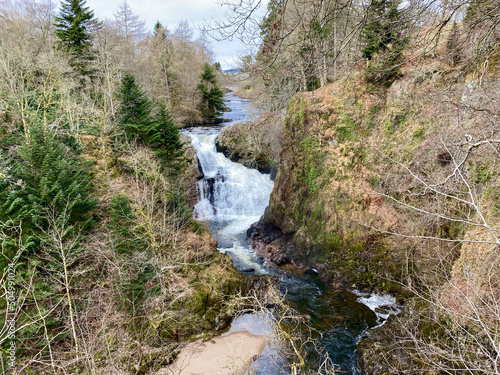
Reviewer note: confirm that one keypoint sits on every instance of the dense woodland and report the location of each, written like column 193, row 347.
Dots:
column 366, row 102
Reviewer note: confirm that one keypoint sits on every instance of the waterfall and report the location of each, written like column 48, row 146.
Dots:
column 230, row 198
column 229, row 192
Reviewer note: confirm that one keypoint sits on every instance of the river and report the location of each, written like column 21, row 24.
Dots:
column 231, row 198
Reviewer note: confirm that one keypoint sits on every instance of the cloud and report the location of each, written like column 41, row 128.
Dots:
column 169, row 13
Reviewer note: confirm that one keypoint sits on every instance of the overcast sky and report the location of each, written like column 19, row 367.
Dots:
column 169, row 13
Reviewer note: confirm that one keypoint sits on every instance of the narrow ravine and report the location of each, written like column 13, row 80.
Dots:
column 231, row 198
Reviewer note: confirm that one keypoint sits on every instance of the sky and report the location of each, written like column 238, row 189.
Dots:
column 169, row 13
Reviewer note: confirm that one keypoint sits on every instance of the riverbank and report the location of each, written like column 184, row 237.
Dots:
column 231, row 198
column 223, row 355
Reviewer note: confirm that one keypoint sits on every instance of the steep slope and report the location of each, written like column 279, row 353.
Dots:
column 346, row 162
column 395, row 190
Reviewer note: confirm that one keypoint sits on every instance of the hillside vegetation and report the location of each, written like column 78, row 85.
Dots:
column 103, row 268
column 389, row 168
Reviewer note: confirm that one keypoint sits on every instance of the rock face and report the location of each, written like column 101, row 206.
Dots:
column 255, row 145
column 358, row 167
column 318, row 197
column 193, row 173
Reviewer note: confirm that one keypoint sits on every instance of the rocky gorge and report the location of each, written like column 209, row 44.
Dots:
column 390, row 190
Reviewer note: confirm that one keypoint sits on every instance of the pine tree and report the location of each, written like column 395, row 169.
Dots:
column 135, row 109
column 159, row 30
column 212, row 102
column 45, row 177
column 384, row 44
column 48, row 174
column 46, row 202
column 74, row 26
column 123, row 227
column 165, row 135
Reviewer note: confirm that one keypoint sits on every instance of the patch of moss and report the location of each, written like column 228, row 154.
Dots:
column 296, row 116
column 493, row 195
column 374, row 181
column 419, row 134
column 482, row 174
column 313, row 166
column 358, row 157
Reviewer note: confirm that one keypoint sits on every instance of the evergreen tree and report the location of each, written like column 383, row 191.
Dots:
column 123, row 227
column 47, row 174
column 384, row 44
column 212, row 101
column 74, row 25
column 159, row 30
column 46, row 201
column 165, row 135
column 135, row 109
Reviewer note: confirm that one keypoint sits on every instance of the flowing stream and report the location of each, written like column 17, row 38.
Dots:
column 231, row 198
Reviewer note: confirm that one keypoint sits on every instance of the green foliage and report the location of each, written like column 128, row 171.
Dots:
column 358, row 157
column 482, row 174
column 344, row 133
column 374, row 181
column 123, row 227
column 135, row 109
column 419, row 134
column 74, row 27
column 212, row 97
column 476, row 8
column 164, row 135
column 274, row 9
column 383, row 43
column 296, row 118
column 313, row 166
column 270, row 26
column 46, row 173
column 158, row 28
column 177, row 203
column 347, row 131
column 46, row 203
column 134, row 286
column 493, row 194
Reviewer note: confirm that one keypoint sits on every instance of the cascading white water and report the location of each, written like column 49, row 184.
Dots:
column 229, row 192
column 231, row 198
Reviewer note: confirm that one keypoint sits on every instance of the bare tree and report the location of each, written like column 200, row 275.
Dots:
column 132, row 28
column 457, row 331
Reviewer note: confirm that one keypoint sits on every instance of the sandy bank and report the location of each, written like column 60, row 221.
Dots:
column 231, row 354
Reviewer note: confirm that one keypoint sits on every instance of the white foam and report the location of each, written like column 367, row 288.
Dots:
column 382, row 305
column 245, row 258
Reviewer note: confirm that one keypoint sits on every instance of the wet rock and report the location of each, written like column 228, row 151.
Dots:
column 255, row 145
column 193, row 170
column 248, row 270
column 311, row 271
column 263, row 232
column 264, row 287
